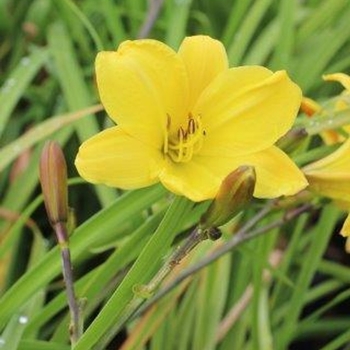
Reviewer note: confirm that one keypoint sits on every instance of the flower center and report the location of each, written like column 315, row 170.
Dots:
column 186, row 142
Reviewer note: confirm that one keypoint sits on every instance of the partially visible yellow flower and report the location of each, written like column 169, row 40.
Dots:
column 343, row 79
column 310, row 107
column 187, row 120
column 330, row 177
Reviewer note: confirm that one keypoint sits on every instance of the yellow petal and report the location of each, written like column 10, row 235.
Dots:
column 342, row 204
column 337, row 162
column 341, row 78
column 196, row 180
column 347, row 245
column 330, row 185
column 276, row 174
column 345, row 231
column 140, row 85
column 330, row 176
column 247, row 110
column 331, row 137
column 200, row 179
column 204, row 59
column 115, row 159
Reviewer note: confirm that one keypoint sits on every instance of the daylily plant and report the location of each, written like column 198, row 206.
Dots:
column 187, row 120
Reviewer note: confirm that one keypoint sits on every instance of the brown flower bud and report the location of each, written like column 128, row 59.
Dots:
column 53, row 179
column 234, row 194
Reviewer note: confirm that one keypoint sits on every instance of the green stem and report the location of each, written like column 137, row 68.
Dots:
column 196, row 236
column 143, row 292
column 329, row 121
column 239, row 238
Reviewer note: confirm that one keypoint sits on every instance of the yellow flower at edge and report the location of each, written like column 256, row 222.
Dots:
column 310, row 107
column 187, row 120
column 330, row 177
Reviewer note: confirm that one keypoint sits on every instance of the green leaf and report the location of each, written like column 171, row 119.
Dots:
column 12, row 150
column 116, row 311
column 17, row 82
column 86, row 236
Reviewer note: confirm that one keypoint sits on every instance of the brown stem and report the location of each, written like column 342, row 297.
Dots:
column 152, row 15
column 76, row 326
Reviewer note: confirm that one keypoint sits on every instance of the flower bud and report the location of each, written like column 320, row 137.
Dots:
column 53, row 179
column 309, row 106
column 292, row 139
column 234, row 194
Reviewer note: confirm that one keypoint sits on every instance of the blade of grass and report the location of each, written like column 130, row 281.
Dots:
column 244, row 35
column 74, row 89
column 337, row 271
column 12, row 150
column 14, row 330
column 324, row 46
column 111, row 317
column 18, row 81
column 113, row 17
column 152, row 320
column 262, row 250
column 177, row 18
column 85, row 22
column 326, row 328
column 101, row 224
column 281, row 291
column 262, row 48
column 338, row 342
column 125, row 254
column 185, row 316
column 238, row 12
column 321, row 234
column 320, row 17
column 284, row 46
column 41, row 345
column 210, row 302
column 264, row 327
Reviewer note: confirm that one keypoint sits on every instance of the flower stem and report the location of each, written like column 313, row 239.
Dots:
column 197, row 235
column 143, row 292
column 239, row 238
column 152, row 15
column 76, row 324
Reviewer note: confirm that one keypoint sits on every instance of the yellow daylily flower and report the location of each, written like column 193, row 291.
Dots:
column 330, row 177
column 187, row 120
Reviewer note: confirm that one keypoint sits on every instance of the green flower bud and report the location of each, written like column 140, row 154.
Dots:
column 234, row 194
column 53, row 179
column 292, row 139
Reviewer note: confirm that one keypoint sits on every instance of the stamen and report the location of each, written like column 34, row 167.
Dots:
column 168, row 121
column 191, row 126
column 188, row 141
column 166, row 137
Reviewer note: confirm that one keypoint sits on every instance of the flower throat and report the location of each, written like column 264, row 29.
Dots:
column 186, row 142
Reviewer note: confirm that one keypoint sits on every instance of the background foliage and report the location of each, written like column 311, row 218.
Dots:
column 281, row 290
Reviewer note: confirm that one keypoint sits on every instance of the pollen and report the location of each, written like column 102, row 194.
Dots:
column 187, row 141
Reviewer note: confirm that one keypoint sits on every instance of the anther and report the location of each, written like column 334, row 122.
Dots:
column 168, row 121
column 181, row 134
column 191, row 126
